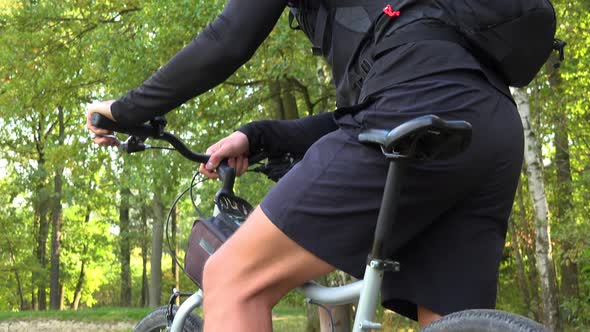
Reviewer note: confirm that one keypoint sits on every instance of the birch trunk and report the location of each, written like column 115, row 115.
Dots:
column 543, row 251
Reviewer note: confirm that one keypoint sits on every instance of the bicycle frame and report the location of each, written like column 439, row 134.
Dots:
column 364, row 292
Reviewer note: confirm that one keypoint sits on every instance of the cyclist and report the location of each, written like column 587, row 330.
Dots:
column 321, row 215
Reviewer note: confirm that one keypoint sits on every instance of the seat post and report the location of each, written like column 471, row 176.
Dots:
column 389, row 204
column 378, row 262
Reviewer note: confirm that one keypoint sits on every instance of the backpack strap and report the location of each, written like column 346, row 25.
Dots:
column 321, row 24
column 323, row 20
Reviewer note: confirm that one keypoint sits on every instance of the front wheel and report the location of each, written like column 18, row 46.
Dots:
column 156, row 322
column 480, row 320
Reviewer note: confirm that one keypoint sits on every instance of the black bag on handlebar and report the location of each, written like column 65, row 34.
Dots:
column 207, row 235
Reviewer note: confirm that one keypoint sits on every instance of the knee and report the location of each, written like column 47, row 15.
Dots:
column 227, row 280
column 214, row 273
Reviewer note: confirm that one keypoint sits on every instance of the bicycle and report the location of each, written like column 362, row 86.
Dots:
column 423, row 138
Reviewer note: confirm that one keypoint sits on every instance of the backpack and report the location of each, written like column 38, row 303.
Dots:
column 513, row 37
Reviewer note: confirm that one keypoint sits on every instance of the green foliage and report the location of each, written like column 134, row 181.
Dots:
column 63, row 54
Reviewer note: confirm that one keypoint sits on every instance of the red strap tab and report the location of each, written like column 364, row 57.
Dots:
column 390, row 12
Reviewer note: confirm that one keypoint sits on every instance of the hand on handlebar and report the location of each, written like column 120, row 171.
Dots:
column 234, row 148
column 103, row 137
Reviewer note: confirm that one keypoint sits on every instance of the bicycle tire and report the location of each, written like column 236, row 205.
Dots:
column 155, row 321
column 484, row 320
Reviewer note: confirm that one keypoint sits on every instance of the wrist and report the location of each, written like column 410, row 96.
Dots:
column 242, row 140
column 250, row 134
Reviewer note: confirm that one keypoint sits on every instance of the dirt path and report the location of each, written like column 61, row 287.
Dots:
column 64, row 326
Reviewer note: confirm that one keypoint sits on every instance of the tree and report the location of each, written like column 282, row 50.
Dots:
column 56, row 223
column 125, row 246
column 544, row 254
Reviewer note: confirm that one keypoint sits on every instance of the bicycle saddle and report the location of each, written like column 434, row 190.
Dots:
column 424, row 138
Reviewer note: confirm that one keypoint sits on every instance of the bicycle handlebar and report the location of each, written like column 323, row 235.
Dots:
column 151, row 130
column 155, row 129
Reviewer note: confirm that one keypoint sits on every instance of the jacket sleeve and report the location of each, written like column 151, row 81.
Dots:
column 217, row 52
column 288, row 136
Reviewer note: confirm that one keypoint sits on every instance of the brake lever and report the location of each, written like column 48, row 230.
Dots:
column 134, row 144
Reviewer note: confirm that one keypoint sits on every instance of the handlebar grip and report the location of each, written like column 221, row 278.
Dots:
column 227, row 175
column 100, row 121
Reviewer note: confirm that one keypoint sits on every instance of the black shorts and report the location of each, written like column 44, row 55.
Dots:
column 453, row 214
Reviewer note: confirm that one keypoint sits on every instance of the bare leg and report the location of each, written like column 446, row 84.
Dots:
column 426, row 316
column 250, row 273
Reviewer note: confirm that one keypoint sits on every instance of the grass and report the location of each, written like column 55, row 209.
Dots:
column 101, row 314
column 285, row 319
column 288, row 319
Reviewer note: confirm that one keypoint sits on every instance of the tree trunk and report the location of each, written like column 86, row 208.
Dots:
column 326, row 81
column 56, row 223
column 62, row 295
column 340, row 316
column 41, row 222
column 19, row 286
column 318, row 319
column 82, row 275
column 80, row 283
column 529, row 252
column 175, row 272
column 34, row 304
column 277, row 100
column 543, row 248
column 289, row 101
column 520, row 267
column 324, row 91
column 563, row 196
column 124, row 248
column 313, row 318
column 41, row 250
column 17, row 276
column 563, row 210
column 144, row 257
column 156, row 260
column 305, row 94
